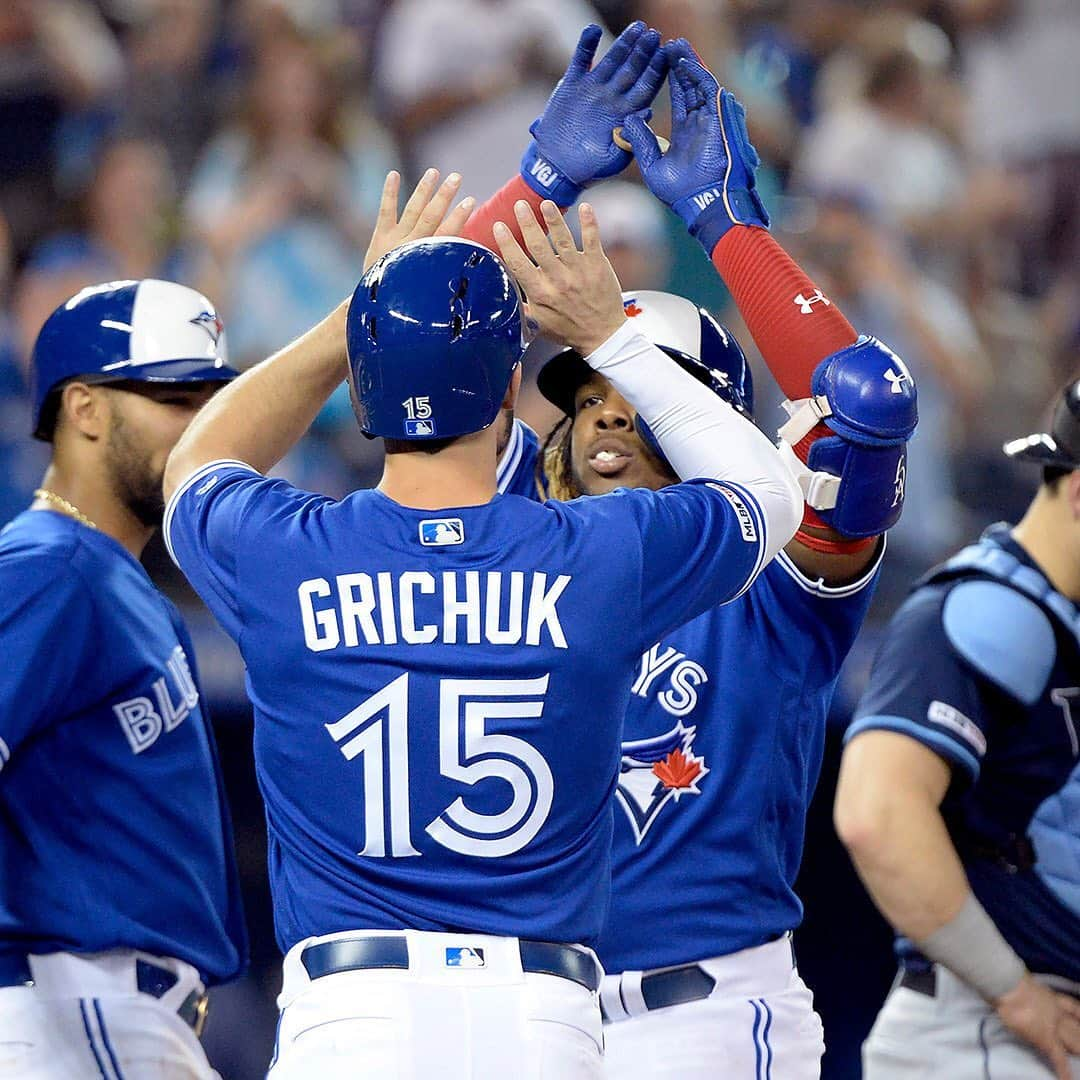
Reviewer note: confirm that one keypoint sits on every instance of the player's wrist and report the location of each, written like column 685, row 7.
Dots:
column 547, row 179
column 1015, row 993
column 972, row 947
column 606, row 344
column 711, row 212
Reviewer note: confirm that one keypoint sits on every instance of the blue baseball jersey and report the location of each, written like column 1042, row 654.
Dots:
column 721, row 753
column 439, row 695
column 516, row 474
column 114, row 830
column 982, row 665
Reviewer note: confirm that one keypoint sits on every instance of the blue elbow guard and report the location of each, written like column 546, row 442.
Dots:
column 855, row 478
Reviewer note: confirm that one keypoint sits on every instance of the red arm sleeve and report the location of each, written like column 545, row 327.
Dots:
column 764, row 281
column 500, row 207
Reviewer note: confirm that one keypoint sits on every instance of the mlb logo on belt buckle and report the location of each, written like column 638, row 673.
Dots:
column 465, row 957
column 419, row 427
column 439, row 532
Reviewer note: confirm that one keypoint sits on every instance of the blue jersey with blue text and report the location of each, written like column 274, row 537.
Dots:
column 720, row 756
column 114, row 831
column 982, row 665
column 439, row 695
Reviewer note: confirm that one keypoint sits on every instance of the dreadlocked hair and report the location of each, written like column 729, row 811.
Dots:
column 554, row 472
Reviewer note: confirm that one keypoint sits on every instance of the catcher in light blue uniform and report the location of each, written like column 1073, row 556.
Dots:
column 966, row 748
column 119, row 900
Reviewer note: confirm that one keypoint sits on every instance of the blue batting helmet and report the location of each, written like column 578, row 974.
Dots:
column 434, row 332
column 686, row 332
column 137, row 331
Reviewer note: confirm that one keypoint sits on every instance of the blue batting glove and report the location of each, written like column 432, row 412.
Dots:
column 707, row 175
column 572, row 144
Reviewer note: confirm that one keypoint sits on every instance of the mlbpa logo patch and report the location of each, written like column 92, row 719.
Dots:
column 441, row 532
column 419, row 427
column 655, row 771
column 464, row 957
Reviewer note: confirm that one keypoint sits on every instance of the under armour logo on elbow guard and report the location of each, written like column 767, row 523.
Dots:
column 896, row 380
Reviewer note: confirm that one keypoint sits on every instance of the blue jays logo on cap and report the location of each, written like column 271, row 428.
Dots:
column 419, row 427
column 441, row 532
column 465, row 957
column 210, row 322
column 655, row 771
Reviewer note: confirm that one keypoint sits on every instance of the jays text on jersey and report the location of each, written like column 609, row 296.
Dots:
column 722, row 748
column 439, row 696
column 721, row 752
column 116, row 831
column 982, row 665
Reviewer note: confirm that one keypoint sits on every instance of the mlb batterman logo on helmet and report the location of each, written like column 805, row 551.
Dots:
column 434, row 332
column 127, row 331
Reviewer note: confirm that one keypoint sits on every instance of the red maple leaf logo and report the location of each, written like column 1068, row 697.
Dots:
column 631, row 308
column 677, row 771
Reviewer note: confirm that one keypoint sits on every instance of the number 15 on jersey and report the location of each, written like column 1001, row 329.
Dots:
column 378, row 730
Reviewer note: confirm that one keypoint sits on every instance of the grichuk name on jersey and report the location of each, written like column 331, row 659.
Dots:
column 144, row 718
column 511, row 608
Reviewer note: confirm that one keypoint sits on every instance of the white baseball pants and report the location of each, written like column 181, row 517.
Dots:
column 433, row 1021
column 953, row 1034
column 758, row 1023
column 84, row 1019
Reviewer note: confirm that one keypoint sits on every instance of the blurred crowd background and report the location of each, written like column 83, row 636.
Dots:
column 921, row 157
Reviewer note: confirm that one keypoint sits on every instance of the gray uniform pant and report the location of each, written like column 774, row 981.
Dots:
column 953, row 1035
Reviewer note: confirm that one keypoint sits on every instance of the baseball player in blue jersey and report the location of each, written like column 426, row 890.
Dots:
column 959, row 795
column 119, row 901
column 726, row 721
column 437, row 705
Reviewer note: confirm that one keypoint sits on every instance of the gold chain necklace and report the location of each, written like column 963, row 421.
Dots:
column 62, row 504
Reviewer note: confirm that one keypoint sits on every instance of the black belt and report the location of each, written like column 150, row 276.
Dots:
column 921, row 980
column 665, row 987
column 150, row 979
column 158, row 981
column 364, row 953
column 924, row 981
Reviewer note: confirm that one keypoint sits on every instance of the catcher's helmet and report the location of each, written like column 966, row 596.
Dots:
column 434, row 332
column 126, row 331
column 1060, row 446
column 686, row 332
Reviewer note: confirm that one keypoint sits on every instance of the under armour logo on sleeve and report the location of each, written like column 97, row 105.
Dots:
column 806, row 303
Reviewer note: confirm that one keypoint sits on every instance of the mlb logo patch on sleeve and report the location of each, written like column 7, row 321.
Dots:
column 742, row 512
column 464, row 957
column 441, row 532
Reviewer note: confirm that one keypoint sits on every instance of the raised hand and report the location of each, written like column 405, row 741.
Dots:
column 427, row 213
column 573, row 296
column 707, row 174
column 572, row 141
